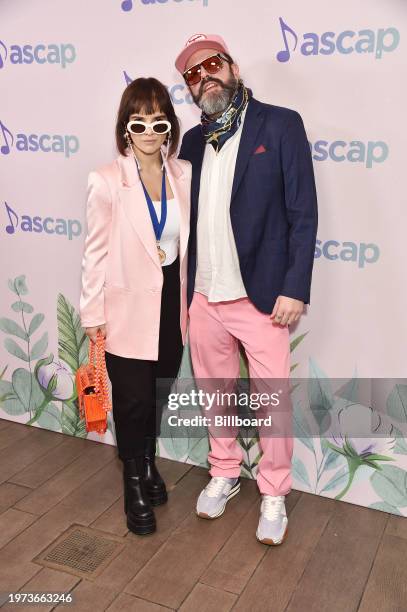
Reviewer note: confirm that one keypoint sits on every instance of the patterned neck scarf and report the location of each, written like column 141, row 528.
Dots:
column 218, row 131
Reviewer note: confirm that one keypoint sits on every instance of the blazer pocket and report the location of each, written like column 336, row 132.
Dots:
column 263, row 155
column 117, row 289
column 266, row 161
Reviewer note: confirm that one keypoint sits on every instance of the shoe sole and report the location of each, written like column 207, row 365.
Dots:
column 141, row 529
column 271, row 542
column 233, row 491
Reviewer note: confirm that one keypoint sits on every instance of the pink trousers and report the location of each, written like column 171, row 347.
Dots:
column 215, row 330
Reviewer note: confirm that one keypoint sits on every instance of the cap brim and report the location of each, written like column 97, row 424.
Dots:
column 183, row 57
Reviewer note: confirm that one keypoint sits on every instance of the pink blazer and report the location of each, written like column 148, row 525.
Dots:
column 121, row 274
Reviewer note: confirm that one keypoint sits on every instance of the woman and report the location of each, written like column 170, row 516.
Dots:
column 134, row 280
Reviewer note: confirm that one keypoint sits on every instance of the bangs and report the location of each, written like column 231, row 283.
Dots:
column 149, row 100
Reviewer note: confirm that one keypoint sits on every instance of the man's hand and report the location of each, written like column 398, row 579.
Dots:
column 287, row 310
column 91, row 332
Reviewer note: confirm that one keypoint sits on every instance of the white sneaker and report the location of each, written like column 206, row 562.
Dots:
column 273, row 521
column 213, row 499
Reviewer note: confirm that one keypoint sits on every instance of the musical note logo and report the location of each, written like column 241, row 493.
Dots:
column 8, row 139
column 11, row 228
column 3, row 54
column 127, row 78
column 284, row 55
column 127, row 5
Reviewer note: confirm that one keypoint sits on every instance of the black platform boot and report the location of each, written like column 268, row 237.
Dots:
column 137, row 506
column 154, row 483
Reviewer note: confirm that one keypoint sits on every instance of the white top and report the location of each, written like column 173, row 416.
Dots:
column 218, row 273
column 170, row 237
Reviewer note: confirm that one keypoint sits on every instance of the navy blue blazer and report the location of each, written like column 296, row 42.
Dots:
column 273, row 206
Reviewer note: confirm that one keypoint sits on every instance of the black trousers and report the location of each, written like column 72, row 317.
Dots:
column 136, row 405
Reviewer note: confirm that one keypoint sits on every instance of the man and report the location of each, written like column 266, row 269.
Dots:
column 251, row 253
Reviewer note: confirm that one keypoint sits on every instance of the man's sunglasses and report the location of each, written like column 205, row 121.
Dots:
column 212, row 65
column 141, row 127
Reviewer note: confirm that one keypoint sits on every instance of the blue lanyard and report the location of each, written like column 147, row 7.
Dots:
column 158, row 225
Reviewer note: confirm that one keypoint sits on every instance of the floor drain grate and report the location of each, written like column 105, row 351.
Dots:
column 82, row 551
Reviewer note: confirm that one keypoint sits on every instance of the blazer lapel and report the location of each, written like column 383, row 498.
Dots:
column 134, row 203
column 198, row 155
column 135, row 206
column 251, row 127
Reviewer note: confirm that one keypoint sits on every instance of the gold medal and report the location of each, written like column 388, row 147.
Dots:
column 161, row 254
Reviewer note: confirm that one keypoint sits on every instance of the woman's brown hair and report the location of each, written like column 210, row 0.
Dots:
column 145, row 95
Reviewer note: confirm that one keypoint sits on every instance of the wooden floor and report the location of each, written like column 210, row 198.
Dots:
column 337, row 557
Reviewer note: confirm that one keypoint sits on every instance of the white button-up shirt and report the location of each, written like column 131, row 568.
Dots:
column 218, row 273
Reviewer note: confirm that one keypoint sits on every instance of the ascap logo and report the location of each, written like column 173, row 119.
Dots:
column 376, row 43
column 61, row 54
column 71, row 228
column 128, row 5
column 361, row 253
column 356, row 151
column 34, row 143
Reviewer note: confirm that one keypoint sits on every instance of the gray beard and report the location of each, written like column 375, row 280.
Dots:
column 216, row 103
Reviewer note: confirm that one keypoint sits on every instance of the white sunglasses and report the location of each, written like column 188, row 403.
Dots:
column 140, row 127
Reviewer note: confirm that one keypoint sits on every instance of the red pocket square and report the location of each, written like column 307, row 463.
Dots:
column 260, row 149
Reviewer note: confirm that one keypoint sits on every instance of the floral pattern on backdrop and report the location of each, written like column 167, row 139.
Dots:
column 40, row 391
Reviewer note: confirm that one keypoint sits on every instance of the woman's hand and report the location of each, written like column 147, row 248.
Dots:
column 91, row 332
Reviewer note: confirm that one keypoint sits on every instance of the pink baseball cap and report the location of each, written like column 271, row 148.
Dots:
column 196, row 42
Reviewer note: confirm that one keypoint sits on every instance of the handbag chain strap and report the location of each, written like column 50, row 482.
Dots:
column 97, row 359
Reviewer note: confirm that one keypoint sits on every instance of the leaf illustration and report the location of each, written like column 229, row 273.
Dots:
column 350, row 391
column 332, row 460
column 35, row 323
column 13, row 348
column 400, row 447
column 385, row 507
column 9, row 401
column 13, row 406
column 244, row 370
column 50, row 418
column 397, row 403
column 20, row 285
column 338, row 479
column 27, row 389
column 391, row 484
column 177, row 448
column 11, row 327
column 198, row 451
column 300, row 472
column 71, row 423
column 301, row 428
column 185, row 370
column 296, row 341
column 245, row 470
column 320, row 396
column 11, row 286
column 22, row 306
column 39, row 347
column 256, row 460
column 6, row 390
column 71, row 337
column 247, row 442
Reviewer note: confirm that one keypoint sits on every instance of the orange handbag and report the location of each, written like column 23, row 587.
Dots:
column 92, row 388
